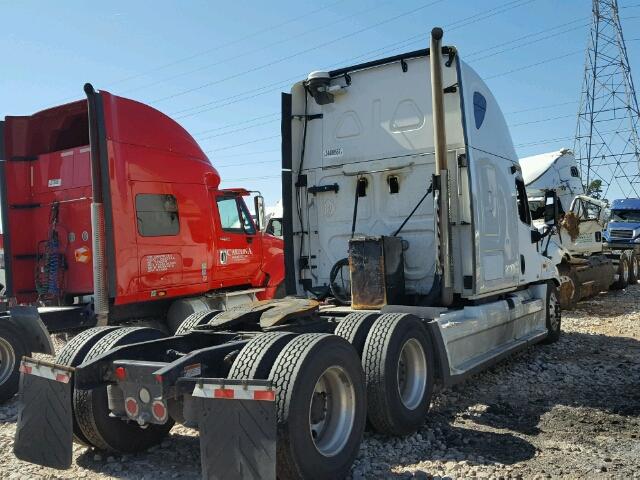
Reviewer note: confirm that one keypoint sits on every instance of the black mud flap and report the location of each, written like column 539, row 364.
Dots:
column 44, row 434
column 237, row 423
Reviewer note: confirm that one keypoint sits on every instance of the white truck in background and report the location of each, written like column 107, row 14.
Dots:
column 273, row 219
column 585, row 266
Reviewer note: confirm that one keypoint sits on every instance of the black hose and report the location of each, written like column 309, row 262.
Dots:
column 340, row 294
column 429, row 190
column 355, row 210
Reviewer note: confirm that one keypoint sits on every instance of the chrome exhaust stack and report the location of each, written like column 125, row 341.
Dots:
column 100, row 295
column 441, row 176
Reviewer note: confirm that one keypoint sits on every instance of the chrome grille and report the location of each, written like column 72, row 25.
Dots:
column 622, row 233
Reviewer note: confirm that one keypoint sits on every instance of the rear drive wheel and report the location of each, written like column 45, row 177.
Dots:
column 320, row 406
column 92, row 409
column 623, row 274
column 72, row 355
column 12, row 349
column 257, row 357
column 355, row 327
column 195, row 319
column 399, row 369
column 554, row 315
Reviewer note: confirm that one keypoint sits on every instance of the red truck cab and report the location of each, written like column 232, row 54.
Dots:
column 169, row 229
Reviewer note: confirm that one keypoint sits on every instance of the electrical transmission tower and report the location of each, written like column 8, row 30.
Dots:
column 606, row 146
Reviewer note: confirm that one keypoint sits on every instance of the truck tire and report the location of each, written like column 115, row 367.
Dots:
column 634, row 269
column 553, row 319
column 257, row 357
column 623, row 274
column 320, row 407
column 12, row 349
column 399, row 369
column 181, row 309
column 569, row 287
column 92, row 410
column 355, row 327
column 195, row 319
column 73, row 354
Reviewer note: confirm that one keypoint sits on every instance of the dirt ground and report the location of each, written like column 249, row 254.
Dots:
column 571, row 409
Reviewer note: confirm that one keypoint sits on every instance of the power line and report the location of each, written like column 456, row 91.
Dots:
column 541, row 121
column 260, row 49
column 525, row 67
column 266, row 177
column 229, row 125
column 300, row 52
column 229, row 147
column 243, row 164
column 244, row 154
column 544, row 107
column 226, row 44
column 396, row 45
column 239, row 130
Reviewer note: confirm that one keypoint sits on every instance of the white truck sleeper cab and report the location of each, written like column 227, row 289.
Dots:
column 450, row 284
column 362, row 156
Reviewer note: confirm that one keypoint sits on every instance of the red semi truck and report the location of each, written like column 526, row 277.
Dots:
column 112, row 213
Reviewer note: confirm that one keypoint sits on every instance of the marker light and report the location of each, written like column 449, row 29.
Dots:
column 120, row 373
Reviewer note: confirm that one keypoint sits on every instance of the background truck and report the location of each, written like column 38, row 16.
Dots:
column 587, row 266
column 112, row 214
column 274, row 220
column 622, row 231
column 440, row 289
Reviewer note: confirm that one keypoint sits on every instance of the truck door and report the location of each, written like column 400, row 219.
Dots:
column 529, row 256
column 589, row 234
column 238, row 248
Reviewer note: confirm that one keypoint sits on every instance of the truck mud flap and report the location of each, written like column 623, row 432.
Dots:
column 44, row 434
column 237, row 423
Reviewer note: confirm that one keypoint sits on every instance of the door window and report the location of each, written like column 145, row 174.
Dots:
column 234, row 216
column 523, row 204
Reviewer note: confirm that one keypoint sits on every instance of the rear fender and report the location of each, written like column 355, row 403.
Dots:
column 28, row 322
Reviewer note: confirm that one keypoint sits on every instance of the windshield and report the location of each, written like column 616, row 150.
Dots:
column 625, row 216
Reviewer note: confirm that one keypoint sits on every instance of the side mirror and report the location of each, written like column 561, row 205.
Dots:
column 551, row 208
column 258, row 203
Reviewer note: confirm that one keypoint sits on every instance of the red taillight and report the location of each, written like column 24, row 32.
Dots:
column 131, row 406
column 120, row 373
column 159, row 410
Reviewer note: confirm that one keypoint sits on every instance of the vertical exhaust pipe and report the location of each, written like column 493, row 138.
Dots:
column 100, row 296
column 441, row 176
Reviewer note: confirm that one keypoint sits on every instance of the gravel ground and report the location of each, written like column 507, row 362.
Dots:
column 569, row 409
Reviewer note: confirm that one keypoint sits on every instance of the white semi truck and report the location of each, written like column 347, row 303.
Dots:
column 585, row 265
column 406, row 167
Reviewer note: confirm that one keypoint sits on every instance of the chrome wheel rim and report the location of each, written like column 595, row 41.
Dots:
column 625, row 271
column 553, row 311
column 634, row 264
column 412, row 374
column 332, row 411
column 7, row 360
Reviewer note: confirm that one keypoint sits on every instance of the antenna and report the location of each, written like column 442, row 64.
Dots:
column 606, row 146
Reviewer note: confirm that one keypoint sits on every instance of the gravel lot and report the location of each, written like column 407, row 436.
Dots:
column 569, row 409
